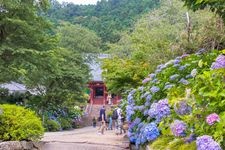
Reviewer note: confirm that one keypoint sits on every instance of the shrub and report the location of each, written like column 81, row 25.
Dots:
column 18, row 123
column 194, row 91
column 52, row 125
column 65, row 123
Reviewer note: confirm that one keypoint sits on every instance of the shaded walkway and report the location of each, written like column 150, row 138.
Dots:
column 84, row 139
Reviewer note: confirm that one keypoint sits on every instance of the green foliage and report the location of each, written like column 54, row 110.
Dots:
column 158, row 37
column 188, row 146
column 52, row 125
column 217, row 6
column 17, row 123
column 23, row 35
column 65, row 123
column 207, row 97
column 107, row 18
column 171, row 143
column 74, row 112
column 161, row 143
column 78, row 39
column 121, row 74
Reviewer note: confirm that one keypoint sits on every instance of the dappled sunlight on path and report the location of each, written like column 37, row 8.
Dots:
column 84, row 139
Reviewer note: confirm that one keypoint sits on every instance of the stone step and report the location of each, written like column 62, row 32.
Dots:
column 94, row 112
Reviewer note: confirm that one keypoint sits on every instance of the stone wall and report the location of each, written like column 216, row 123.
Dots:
column 21, row 145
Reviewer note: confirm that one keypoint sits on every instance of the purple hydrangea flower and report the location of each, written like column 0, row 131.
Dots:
column 173, row 77
column 206, row 142
column 176, row 61
column 178, row 128
column 184, row 55
column 154, row 89
column 169, row 86
column 146, row 80
column 182, row 108
column 159, row 110
column 212, row 118
column 219, row 63
column 152, row 75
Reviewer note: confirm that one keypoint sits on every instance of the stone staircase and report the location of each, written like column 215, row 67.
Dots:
column 91, row 112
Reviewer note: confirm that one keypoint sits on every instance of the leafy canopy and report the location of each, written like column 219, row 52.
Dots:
column 217, row 6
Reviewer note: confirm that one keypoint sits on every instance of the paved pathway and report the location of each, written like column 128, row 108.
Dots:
column 84, row 139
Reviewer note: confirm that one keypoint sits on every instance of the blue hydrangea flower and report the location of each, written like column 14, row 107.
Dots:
column 169, row 86
column 174, row 77
column 152, row 75
column 159, row 110
column 155, row 81
column 129, row 112
column 154, row 89
column 188, row 76
column 141, row 88
column 149, row 97
column 157, row 71
column 176, row 61
column 151, row 131
column 137, row 121
column 146, row 112
column 183, row 81
column 182, row 68
column 147, row 103
column 140, row 108
column 206, row 142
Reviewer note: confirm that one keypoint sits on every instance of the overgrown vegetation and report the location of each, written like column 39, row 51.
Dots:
column 159, row 36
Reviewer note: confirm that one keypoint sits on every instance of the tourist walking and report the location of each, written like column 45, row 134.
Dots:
column 109, row 99
column 119, row 121
column 110, row 123
column 102, row 119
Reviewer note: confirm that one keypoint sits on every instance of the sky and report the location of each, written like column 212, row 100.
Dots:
column 84, row 2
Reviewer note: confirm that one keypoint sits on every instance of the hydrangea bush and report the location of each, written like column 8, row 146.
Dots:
column 181, row 99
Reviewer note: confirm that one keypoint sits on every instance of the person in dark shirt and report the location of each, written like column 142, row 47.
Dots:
column 102, row 119
column 102, row 114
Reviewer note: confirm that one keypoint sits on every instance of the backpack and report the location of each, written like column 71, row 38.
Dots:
column 115, row 115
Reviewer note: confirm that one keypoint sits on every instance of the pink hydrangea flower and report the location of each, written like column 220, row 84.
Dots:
column 212, row 118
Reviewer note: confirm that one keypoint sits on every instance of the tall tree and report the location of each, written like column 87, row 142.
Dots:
column 217, row 6
column 23, row 34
